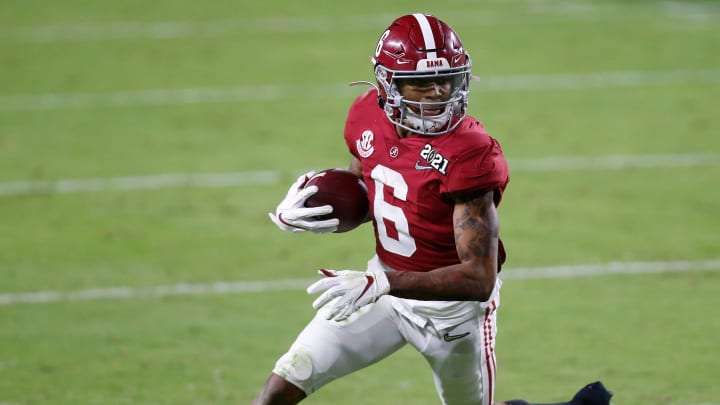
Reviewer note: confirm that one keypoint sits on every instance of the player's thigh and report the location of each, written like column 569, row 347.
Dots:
column 326, row 350
column 463, row 360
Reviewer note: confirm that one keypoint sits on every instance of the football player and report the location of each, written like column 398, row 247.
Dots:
column 434, row 178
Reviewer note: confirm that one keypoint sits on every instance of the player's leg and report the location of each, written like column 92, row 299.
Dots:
column 464, row 366
column 591, row 394
column 276, row 390
column 463, row 357
column 327, row 350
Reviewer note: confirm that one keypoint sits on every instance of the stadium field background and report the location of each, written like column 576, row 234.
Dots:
column 142, row 145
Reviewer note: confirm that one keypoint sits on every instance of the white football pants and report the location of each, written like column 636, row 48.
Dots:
column 461, row 354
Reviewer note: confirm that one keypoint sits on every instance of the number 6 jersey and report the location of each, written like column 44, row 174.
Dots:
column 409, row 180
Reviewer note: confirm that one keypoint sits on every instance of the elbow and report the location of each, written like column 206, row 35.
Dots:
column 485, row 278
column 485, row 291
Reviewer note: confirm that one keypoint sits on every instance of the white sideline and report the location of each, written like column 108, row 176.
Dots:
column 239, row 287
column 272, row 92
column 231, row 179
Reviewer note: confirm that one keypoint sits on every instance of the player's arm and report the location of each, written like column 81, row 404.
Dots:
column 473, row 279
column 476, row 229
column 356, row 169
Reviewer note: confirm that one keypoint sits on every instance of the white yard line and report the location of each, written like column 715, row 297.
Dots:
column 274, row 92
column 535, row 12
column 614, row 162
column 172, row 180
column 160, row 30
column 241, row 287
column 234, row 179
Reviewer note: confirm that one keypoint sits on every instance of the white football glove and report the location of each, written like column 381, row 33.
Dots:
column 292, row 215
column 348, row 290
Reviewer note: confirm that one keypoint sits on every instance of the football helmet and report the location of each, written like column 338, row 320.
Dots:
column 419, row 49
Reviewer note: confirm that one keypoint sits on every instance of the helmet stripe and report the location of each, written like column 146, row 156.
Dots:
column 427, row 34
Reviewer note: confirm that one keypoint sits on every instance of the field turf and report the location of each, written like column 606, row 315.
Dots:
column 142, row 145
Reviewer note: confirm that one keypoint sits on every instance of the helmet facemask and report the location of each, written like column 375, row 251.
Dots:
column 425, row 117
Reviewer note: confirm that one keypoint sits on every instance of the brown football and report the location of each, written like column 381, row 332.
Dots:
column 345, row 192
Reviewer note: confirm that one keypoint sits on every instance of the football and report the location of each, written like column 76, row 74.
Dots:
column 345, row 192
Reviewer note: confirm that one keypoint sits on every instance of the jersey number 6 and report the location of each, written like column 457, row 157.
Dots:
column 404, row 244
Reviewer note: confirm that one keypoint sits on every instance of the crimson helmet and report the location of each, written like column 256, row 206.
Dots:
column 420, row 46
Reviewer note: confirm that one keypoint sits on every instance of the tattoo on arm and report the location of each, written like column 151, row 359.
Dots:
column 476, row 231
column 476, row 228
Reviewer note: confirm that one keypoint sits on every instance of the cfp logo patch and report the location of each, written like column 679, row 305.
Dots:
column 364, row 145
column 432, row 160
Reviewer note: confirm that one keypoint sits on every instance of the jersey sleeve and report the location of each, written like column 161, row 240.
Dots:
column 356, row 119
column 480, row 167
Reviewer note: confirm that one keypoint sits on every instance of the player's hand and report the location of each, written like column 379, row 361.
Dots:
column 348, row 290
column 292, row 215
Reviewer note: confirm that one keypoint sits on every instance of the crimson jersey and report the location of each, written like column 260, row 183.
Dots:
column 409, row 180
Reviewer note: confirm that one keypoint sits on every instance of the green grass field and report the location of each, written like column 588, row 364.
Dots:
column 110, row 274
